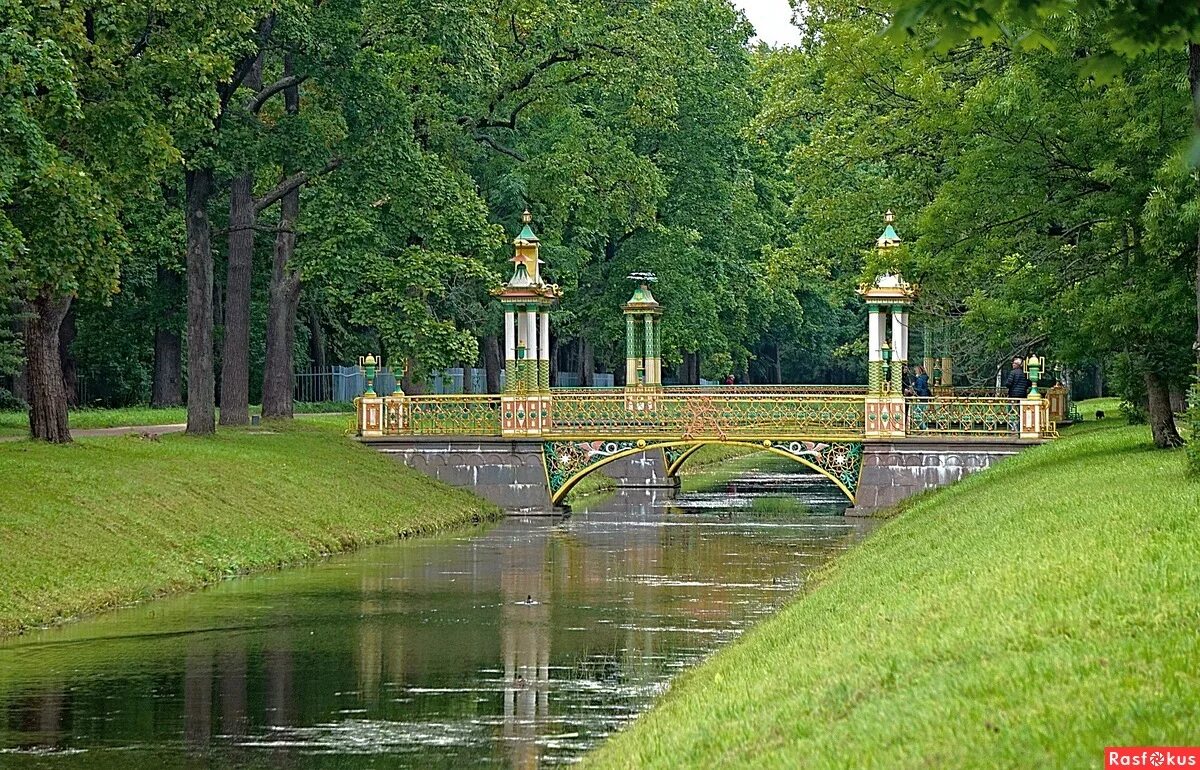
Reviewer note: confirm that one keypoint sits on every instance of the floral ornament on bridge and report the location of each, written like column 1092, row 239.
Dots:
column 566, row 459
column 841, row 460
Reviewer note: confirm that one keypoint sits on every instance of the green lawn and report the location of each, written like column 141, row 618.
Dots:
column 1027, row 617
column 17, row 423
column 106, row 521
column 714, row 454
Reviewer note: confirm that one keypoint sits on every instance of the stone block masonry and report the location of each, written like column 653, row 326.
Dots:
column 510, row 474
column 896, row 470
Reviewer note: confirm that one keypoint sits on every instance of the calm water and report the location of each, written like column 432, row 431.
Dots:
column 520, row 644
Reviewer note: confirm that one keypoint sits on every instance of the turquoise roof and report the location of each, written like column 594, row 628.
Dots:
column 889, row 234
column 527, row 234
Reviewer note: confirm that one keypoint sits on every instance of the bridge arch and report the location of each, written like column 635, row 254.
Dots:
column 562, row 474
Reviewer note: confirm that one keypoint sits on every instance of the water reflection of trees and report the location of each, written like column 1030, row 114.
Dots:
column 420, row 634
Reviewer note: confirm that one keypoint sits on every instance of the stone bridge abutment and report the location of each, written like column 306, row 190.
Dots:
column 530, row 475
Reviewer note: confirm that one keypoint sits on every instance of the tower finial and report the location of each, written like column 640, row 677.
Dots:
column 889, row 238
column 527, row 217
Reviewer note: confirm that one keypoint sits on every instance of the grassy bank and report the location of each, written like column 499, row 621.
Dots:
column 1027, row 617
column 16, row 423
column 107, row 521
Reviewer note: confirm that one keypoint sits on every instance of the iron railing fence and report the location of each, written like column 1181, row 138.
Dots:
column 715, row 414
column 957, row 416
column 705, row 416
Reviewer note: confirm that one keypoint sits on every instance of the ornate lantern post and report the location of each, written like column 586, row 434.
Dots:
column 527, row 299
column 368, row 366
column 369, row 406
column 889, row 297
column 1035, row 412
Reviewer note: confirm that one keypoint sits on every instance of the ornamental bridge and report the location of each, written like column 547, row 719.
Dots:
column 527, row 447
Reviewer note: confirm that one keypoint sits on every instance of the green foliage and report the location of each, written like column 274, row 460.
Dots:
column 1132, row 26
column 1041, row 212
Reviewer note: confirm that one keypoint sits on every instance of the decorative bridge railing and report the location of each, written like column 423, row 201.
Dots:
column 746, row 414
column 706, row 413
column 957, row 416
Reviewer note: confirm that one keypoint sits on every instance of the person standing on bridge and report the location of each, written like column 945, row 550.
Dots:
column 921, row 384
column 1017, row 383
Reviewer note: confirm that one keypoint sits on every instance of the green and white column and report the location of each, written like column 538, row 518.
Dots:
column 643, row 362
column 876, row 335
column 899, row 346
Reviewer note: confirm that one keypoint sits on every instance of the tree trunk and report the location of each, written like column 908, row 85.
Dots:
column 235, row 359
column 284, row 296
column 691, row 366
column 554, row 351
column 282, row 304
column 316, row 349
column 1158, row 412
column 70, row 373
column 408, row 384
column 1098, row 381
column 1178, row 399
column 778, row 364
column 492, row 364
column 587, row 364
column 468, row 387
column 168, row 360
column 200, row 379
column 47, row 398
column 168, row 348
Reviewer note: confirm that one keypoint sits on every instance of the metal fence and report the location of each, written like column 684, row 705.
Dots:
column 345, row 383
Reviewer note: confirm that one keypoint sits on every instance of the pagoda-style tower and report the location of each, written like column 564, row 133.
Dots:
column 889, row 297
column 643, row 339
column 527, row 300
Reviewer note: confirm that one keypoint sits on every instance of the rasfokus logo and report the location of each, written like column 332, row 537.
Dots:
column 1151, row 756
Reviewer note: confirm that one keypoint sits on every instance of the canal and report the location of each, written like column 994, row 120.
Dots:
column 520, row 644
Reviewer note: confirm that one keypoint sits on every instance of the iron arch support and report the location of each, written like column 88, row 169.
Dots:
column 568, row 462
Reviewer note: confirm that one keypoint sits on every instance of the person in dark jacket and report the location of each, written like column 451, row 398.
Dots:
column 1017, row 383
column 921, row 384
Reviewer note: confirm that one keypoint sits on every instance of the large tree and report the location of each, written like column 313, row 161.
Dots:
column 88, row 138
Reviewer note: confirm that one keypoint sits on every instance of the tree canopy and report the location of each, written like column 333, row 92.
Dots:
column 270, row 186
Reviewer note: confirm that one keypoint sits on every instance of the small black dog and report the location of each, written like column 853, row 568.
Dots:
column 1099, row 414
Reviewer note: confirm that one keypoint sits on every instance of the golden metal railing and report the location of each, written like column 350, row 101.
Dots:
column 724, row 414
column 706, row 414
column 945, row 416
column 734, row 390
column 458, row 415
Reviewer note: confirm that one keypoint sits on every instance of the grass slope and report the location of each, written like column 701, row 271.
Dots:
column 1027, row 617
column 107, row 521
column 17, row 423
